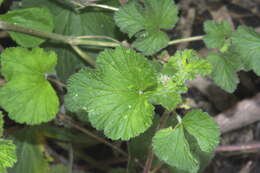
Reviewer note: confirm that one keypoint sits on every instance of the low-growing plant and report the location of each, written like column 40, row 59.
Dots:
column 108, row 57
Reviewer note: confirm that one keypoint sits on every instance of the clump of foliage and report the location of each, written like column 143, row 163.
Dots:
column 117, row 90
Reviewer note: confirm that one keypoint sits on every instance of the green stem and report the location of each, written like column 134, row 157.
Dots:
column 84, row 55
column 195, row 38
column 104, row 6
column 66, row 39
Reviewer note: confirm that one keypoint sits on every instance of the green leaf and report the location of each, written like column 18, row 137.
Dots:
column 61, row 169
column 69, row 22
column 28, row 96
column 205, row 130
column 247, row 43
column 192, row 142
column 7, row 154
column 146, row 23
column 31, row 18
column 225, row 65
column 1, row 124
column 115, row 94
column 29, row 153
column 218, row 34
column 20, row 61
column 1, row 1
column 171, row 146
column 184, row 65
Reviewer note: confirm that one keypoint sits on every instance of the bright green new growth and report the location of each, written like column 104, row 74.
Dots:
column 218, row 34
column 115, row 93
column 184, row 65
column 7, row 154
column 7, row 149
column 147, row 23
column 31, row 18
column 28, row 96
column 247, row 43
column 175, row 147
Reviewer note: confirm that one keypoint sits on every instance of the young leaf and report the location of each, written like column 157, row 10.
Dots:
column 28, row 96
column 225, row 65
column 146, row 23
column 7, row 154
column 184, row 65
column 171, row 146
column 115, row 94
column 247, row 44
column 31, row 18
column 205, row 130
column 217, row 34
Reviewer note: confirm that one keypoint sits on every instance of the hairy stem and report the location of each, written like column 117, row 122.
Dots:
column 84, row 55
column 194, row 38
column 65, row 39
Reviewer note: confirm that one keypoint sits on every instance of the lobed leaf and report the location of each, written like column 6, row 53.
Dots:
column 146, row 23
column 28, row 96
column 115, row 94
column 247, row 44
column 205, row 130
column 171, row 146
column 192, row 142
column 218, row 34
column 32, row 18
column 225, row 65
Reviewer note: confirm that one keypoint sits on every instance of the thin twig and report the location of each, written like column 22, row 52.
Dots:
column 2, row 82
column 71, row 158
column 194, row 38
column 239, row 148
column 157, row 167
column 65, row 39
column 67, row 120
column 107, row 7
column 84, row 55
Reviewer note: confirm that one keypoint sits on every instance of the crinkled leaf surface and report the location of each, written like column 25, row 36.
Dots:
column 184, row 65
column 225, row 65
column 31, row 18
column 192, row 142
column 205, row 130
column 7, row 154
column 115, row 94
column 30, row 157
column 20, row 61
column 28, row 96
column 69, row 22
column 171, row 146
column 247, row 43
column 146, row 23
column 217, row 34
